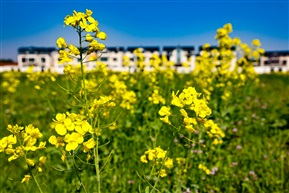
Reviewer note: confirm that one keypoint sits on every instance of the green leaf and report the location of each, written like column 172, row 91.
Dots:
column 147, row 190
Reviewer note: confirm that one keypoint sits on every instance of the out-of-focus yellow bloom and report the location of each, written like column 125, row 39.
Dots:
column 169, row 163
column 88, row 12
column 69, row 69
column 60, row 42
column 26, row 179
column 163, row 173
column 190, row 128
column 164, row 111
column 37, row 87
column 101, row 35
column 88, row 145
column 64, row 57
column 201, row 108
column 57, row 141
column 88, row 38
column 165, row 119
column 228, row 27
column 42, row 160
column 73, row 49
column 143, row 159
column 63, row 155
column 180, row 160
column 158, row 156
column 30, row 162
column 256, row 43
column 156, row 98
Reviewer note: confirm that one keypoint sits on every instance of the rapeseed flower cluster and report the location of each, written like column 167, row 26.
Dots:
column 214, row 66
column 214, row 131
column 10, row 82
column 140, row 59
column 204, row 168
column 154, row 64
column 82, row 22
column 156, row 98
column 22, row 141
column 72, row 129
column 127, row 98
column 159, row 157
column 187, row 100
column 102, row 102
column 8, row 87
column 40, row 78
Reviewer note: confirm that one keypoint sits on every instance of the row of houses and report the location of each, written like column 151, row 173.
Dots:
column 44, row 58
column 47, row 58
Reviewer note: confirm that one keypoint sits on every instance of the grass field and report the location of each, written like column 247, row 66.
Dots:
column 252, row 158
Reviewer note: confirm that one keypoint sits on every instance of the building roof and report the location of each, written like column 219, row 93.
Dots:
column 132, row 48
column 213, row 47
column 208, row 49
column 36, row 50
column 277, row 53
column 115, row 49
column 169, row 48
column 2, row 63
column 151, row 48
column 188, row 48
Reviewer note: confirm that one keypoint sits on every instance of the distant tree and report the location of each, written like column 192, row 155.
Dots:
column 6, row 61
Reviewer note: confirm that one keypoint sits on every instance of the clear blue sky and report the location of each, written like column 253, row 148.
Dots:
column 145, row 23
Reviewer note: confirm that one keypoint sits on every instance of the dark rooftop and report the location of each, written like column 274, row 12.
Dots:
column 213, row 47
column 131, row 49
column 188, row 48
column 151, row 48
column 277, row 53
column 169, row 48
column 36, row 50
column 115, row 49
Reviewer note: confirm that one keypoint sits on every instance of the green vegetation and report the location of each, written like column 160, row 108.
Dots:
column 252, row 158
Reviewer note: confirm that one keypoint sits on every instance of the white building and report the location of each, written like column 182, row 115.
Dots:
column 181, row 56
column 39, row 57
column 273, row 61
column 112, row 56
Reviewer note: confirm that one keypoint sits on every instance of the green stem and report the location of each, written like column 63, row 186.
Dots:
column 96, row 158
column 50, row 104
column 82, row 73
column 168, row 149
column 77, row 174
column 87, row 106
column 29, row 168
column 34, row 178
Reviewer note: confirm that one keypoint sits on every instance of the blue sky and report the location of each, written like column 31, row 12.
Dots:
column 144, row 23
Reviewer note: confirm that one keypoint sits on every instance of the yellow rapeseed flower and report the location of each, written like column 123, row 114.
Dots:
column 60, row 42
column 26, row 179
column 169, row 163
column 163, row 173
column 164, row 111
column 143, row 159
column 101, row 35
column 88, row 145
column 73, row 49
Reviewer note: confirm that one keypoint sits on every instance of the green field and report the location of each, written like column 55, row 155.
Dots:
column 253, row 157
